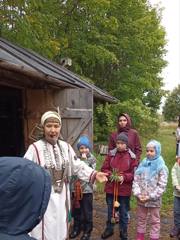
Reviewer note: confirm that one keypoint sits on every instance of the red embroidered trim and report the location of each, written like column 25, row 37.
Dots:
column 93, row 177
column 39, row 162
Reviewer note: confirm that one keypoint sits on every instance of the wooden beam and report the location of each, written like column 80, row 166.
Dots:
column 8, row 83
column 36, row 75
column 75, row 113
column 14, row 79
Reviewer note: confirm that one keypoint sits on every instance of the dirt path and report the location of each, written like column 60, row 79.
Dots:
column 100, row 215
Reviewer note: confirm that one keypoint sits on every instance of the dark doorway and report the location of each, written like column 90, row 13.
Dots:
column 11, row 122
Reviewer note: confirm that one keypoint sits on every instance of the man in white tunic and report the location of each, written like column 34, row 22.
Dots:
column 60, row 160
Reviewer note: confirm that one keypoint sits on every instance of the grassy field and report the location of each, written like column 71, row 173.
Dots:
column 167, row 139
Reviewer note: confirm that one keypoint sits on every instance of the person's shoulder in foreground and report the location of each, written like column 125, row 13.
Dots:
column 24, row 194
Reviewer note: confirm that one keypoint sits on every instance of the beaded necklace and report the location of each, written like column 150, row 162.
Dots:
column 57, row 171
column 48, row 158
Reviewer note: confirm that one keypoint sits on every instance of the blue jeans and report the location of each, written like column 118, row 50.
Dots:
column 177, row 212
column 123, row 211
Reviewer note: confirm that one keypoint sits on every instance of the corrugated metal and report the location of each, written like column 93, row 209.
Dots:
column 23, row 57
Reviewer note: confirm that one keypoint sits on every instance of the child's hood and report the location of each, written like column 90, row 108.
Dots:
column 24, row 194
column 152, row 165
column 157, row 146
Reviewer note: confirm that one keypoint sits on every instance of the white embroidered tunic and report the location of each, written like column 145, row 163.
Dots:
column 54, row 224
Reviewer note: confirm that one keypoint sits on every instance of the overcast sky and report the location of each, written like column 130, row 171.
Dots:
column 171, row 22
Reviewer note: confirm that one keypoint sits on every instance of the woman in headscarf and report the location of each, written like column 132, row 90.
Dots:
column 124, row 125
column 59, row 159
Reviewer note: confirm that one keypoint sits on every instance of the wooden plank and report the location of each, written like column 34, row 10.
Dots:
column 75, row 113
column 60, row 100
column 72, row 101
column 9, row 83
column 37, row 78
column 36, row 103
column 86, row 98
column 82, row 124
column 39, row 101
column 75, row 109
column 73, row 98
column 87, row 95
column 16, row 79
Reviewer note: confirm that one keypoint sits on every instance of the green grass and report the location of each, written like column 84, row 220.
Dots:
column 167, row 139
column 168, row 143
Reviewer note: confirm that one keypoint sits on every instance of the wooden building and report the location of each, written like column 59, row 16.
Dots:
column 31, row 84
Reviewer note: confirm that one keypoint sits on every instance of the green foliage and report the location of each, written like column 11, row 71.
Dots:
column 141, row 40
column 119, row 44
column 105, row 119
column 171, row 109
column 115, row 175
column 168, row 142
column 30, row 25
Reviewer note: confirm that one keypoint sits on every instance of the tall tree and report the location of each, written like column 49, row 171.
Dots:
column 118, row 44
column 141, row 48
column 30, row 23
column 171, row 109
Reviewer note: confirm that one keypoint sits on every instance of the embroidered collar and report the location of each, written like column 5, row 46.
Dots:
column 59, row 159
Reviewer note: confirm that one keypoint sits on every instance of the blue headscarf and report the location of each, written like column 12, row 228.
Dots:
column 152, row 166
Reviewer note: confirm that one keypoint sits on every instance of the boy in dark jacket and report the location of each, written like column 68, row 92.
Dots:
column 25, row 189
column 119, row 164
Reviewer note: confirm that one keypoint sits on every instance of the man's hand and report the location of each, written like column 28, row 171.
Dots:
column 178, row 188
column 101, row 177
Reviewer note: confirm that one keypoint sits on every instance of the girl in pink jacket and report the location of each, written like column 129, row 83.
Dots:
column 149, row 184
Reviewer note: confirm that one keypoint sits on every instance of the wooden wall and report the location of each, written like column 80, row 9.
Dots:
column 76, row 109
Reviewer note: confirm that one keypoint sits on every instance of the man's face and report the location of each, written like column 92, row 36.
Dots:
column 122, row 121
column 120, row 145
column 52, row 130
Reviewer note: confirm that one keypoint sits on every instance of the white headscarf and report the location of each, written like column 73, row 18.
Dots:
column 50, row 114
